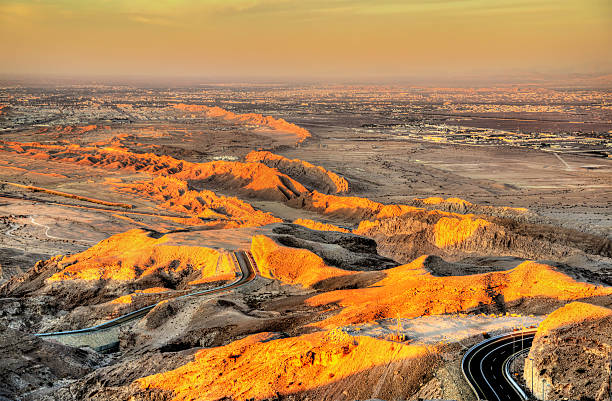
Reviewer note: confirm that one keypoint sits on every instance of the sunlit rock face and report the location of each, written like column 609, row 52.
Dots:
column 315, row 225
column 411, row 290
column 314, row 177
column 459, row 205
column 205, row 207
column 249, row 179
column 347, row 251
column 291, row 265
column 294, row 254
column 135, row 255
column 277, row 124
column 571, row 353
column 323, row 365
column 125, row 272
column 452, row 231
column 455, row 235
column 350, row 208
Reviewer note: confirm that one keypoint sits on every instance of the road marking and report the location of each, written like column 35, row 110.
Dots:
column 506, row 371
column 468, row 358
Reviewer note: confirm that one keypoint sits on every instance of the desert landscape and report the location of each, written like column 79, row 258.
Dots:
column 288, row 200
column 176, row 248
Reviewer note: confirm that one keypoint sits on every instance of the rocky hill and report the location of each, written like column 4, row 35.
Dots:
column 571, row 354
column 31, row 367
column 115, row 276
column 314, row 177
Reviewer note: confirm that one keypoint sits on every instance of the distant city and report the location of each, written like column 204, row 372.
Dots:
column 559, row 120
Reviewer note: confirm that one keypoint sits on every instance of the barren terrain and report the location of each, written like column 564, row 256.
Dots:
column 382, row 251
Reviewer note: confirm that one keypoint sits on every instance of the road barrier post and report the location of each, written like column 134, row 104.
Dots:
column 513, row 352
column 532, row 386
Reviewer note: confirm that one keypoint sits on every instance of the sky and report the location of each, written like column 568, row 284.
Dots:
column 305, row 39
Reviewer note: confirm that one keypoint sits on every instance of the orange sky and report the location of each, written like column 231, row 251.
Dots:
column 305, row 38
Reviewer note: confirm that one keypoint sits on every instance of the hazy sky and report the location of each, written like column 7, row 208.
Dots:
column 304, row 38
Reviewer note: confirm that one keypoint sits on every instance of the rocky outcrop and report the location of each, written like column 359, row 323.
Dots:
column 136, row 255
column 571, row 353
column 404, row 232
column 98, row 283
column 291, row 265
column 411, row 290
column 248, row 179
column 316, row 225
column 32, row 367
column 205, row 207
column 456, row 236
column 313, row 177
column 323, row 365
column 298, row 255
column 344, row 250
column 457, row 205
column 276, row 124
column 349, row 208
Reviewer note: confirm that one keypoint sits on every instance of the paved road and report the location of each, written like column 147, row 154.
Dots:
column 485, row 366
column 242, row 259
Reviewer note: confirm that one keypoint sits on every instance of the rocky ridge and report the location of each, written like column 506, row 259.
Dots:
column 571, row 354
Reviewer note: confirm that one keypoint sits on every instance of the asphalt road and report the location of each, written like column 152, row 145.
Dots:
column 484, row 366
column 248, row 272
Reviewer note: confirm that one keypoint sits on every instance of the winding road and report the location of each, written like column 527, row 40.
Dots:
column 248, row 271
column 486, row 366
